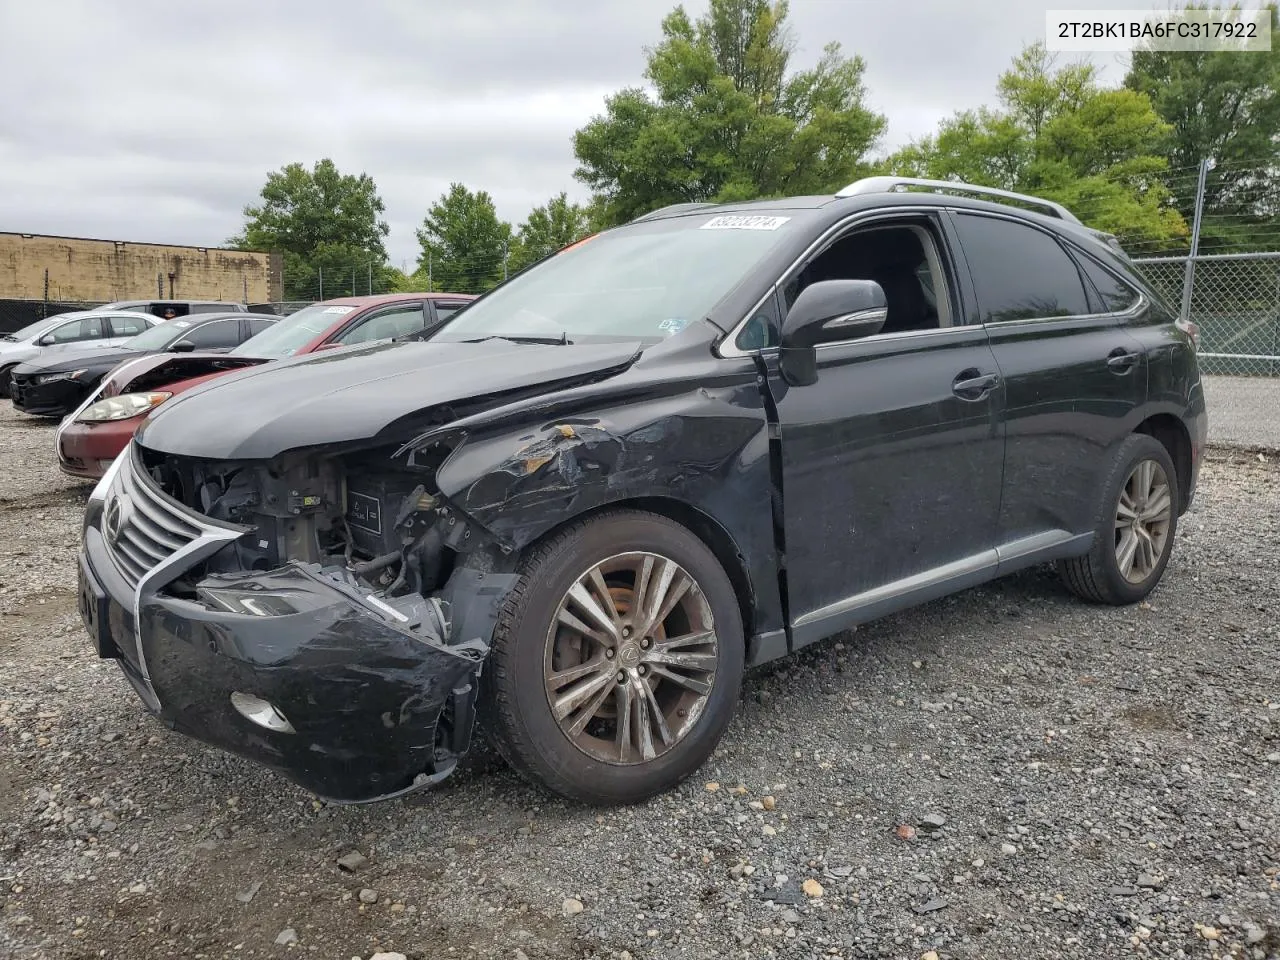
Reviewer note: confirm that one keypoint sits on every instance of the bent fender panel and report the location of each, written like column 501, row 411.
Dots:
column 706, row 448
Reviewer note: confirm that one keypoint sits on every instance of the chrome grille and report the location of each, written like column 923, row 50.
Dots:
column 140, row 526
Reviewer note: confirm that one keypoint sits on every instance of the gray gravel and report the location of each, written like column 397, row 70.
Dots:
column 1007, row 773
column 1244, row 411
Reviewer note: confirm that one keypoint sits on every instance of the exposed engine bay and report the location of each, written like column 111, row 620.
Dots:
column 384, row 530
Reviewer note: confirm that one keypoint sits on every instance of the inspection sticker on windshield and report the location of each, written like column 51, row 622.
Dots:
column 741, row 222
column 338, row 310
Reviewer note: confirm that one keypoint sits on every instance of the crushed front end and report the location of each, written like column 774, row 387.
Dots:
column 320, row 617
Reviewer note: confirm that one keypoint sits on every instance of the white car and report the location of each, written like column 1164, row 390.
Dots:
column 81, row 329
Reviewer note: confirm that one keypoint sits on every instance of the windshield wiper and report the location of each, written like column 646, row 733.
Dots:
column 10, row 338
column 560, row 341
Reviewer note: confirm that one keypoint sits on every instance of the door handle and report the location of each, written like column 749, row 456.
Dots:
column 973, row 384
column 1121, row 360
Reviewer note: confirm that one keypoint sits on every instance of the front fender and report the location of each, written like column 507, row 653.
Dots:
column 705, row 448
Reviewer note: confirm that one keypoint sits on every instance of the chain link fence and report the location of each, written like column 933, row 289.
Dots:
column 1235, row 300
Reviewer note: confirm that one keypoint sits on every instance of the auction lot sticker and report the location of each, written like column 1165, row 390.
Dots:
column 740, row 222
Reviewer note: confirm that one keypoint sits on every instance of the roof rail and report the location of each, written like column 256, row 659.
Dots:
column 889, row 184
column 672, row 208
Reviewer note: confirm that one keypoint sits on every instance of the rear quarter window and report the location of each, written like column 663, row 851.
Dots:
column 1116, row 295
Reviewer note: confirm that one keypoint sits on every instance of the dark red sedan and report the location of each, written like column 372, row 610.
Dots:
column 90, row 438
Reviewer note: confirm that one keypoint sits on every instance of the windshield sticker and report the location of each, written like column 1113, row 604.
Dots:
column 338, row 310
column 673, row 325
column 180, row 324
column 744, row 223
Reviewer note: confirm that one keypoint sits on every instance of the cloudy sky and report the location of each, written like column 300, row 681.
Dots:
column 149, row 120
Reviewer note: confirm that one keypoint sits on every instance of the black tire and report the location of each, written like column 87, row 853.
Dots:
column 1096, row 576
column 515, row 704
column 6, row 374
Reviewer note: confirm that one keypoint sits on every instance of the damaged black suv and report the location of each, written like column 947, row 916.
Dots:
column 674, row 450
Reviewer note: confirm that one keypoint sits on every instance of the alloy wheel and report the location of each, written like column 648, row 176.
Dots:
column 1143, row 517
column 630, row 658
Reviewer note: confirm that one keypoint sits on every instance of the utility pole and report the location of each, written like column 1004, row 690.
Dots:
column 506, row 249
column 370, row 278
column 1189, row 278
column 430, row 288
column 320, row 270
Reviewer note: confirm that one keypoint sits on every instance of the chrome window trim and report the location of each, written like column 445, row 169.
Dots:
column 728, row 348
column 1128, row 313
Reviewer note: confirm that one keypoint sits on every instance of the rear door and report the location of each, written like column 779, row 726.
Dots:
column 124, row 327
column 1075, row 378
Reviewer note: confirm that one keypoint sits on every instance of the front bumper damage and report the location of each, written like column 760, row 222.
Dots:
column 355, row 698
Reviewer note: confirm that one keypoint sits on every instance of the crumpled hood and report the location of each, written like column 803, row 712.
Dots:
column 354, row 394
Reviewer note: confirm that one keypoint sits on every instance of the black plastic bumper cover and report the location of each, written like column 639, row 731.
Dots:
column 376, row 710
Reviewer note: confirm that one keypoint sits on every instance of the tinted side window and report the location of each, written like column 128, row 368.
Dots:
column 1116, row 295
column 395, row 322
column 212, row 308
column 1019, row 272
column 211, row 336
column 257, row 326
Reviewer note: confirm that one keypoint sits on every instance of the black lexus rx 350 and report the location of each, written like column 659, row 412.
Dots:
column 672, row 451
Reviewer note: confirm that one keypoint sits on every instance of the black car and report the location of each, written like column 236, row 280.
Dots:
column 683, row 447
column 58, row 381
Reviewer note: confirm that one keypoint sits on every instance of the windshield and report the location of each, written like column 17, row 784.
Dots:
column 648, row 280
column 286, row 337
column 159, row 336
column 32, row 329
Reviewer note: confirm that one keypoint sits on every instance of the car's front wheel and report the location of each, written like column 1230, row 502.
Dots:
column 6, row 376
column 1137, row 520
column 617, row 659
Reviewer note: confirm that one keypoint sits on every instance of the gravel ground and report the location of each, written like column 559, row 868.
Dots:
column 1007, row 773
column 1244, row 411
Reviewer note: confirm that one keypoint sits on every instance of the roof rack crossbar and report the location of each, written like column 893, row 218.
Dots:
column 889, row 184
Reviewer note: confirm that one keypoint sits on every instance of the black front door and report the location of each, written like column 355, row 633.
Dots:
column 891, row 463
column 891, row 475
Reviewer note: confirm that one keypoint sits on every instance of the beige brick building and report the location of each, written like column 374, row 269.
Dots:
column 77, row 269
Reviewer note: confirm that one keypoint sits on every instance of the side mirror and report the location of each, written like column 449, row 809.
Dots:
column 46, row 341
column 828, row 311
column 183, row 346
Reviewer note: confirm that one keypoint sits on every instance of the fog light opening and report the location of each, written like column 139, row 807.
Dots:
column 259, row 711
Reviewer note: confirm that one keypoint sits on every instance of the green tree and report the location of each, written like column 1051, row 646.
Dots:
column 726, row 121
column 1225, row 107
column 464, row 244
column 327, row 225
column 548, row 228
column 1057, row 134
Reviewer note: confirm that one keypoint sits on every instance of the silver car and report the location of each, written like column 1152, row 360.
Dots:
column 81, row 329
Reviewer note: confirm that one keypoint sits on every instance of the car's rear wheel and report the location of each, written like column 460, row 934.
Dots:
column 617, row 659
column 1137, row 520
